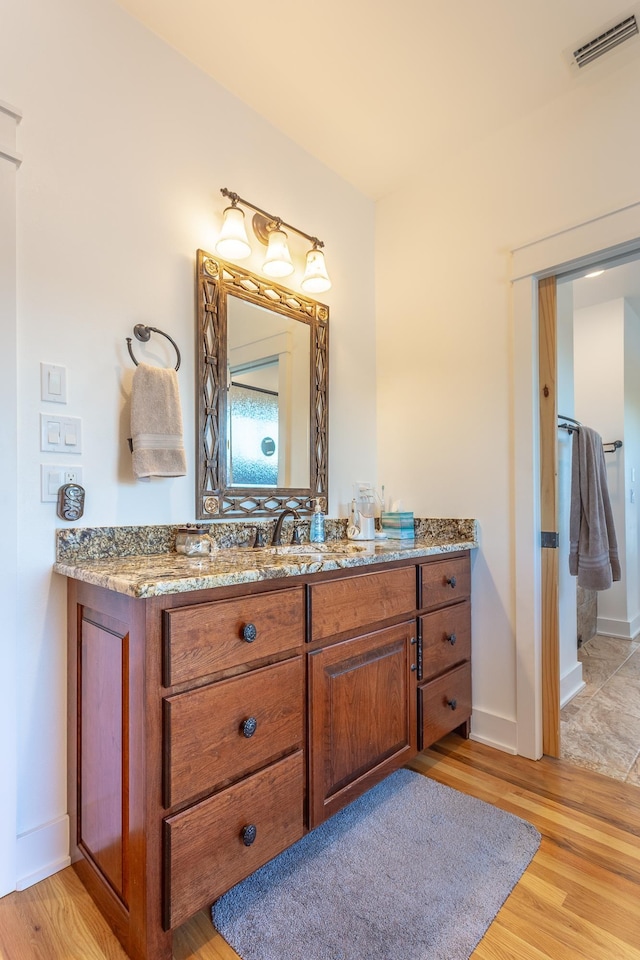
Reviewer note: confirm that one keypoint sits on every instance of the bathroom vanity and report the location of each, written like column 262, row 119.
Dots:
column 219, row 709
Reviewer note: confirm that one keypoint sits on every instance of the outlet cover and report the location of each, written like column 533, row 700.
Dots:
column 54, row 476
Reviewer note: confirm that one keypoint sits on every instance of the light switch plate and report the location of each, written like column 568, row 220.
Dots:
column 53, row 476
column 60, row 434
column 53, row 383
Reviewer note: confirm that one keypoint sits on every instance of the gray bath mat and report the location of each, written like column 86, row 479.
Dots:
column 410, row 871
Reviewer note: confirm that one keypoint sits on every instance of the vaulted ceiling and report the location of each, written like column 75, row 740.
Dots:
column 378, row 90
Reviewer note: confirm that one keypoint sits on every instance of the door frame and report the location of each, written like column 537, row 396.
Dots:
column 614, row 234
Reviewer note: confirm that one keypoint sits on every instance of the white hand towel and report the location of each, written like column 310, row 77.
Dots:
column 593, row 548
column 156, row 423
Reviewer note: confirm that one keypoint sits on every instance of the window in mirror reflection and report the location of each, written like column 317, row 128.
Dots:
column 269, row 397
column 253, row 425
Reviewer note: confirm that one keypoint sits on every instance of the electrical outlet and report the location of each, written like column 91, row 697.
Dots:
column 54, row 476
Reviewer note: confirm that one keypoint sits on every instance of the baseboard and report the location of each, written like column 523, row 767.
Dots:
column 494, row 731
column 42, row 852
column 571, row 684
column 621, row 629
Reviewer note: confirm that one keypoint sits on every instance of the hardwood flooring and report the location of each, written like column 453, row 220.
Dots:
column 577, row 900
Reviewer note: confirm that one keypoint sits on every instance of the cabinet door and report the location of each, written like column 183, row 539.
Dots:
column 362, row 695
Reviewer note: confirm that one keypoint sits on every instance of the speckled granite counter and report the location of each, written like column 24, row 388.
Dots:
column 152, row 574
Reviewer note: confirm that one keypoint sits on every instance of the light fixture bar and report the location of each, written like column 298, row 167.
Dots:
column 278, row 221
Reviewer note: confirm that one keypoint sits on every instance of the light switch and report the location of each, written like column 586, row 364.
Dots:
column 60, row 434
column 53, row 383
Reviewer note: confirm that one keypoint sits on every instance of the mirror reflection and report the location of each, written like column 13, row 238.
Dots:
column 262, row 395
column 268, row 385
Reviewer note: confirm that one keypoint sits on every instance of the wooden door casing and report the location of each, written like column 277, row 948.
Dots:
column 547, row 335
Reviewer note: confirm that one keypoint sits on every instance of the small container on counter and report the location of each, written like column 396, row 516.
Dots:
column 194, row 541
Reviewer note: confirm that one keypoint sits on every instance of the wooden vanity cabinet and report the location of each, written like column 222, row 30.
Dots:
column 209, row 730
column 444, row 648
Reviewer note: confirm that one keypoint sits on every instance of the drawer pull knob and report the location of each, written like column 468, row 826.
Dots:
column 452, row 639
column 249, row 727
column 249, row 834
column 413, row 640
column 452, row 581
column 249, row 632
column 452, row 703
column 413, row 668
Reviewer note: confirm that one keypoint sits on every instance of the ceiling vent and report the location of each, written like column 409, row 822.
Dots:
column 607, row 40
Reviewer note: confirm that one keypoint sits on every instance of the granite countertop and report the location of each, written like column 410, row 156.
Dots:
column 158, row 574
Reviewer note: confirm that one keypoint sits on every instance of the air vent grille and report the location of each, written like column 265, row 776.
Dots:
column 611, row 38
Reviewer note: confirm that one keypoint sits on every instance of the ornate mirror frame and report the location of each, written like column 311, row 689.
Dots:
column 215, row 280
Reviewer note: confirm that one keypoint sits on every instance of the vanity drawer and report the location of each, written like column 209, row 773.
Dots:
column 210, row 637
column 223, row 731
column 205, row 853
column 445, row 581
column 357, row 602
column 446, row 638
column 443, row 704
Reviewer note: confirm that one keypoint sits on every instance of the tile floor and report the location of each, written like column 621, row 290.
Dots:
column 600, row 727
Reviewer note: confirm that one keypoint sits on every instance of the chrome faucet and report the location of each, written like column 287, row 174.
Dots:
column 276, row 539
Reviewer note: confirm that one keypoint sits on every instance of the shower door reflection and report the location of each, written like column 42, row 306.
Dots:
column 253, row 425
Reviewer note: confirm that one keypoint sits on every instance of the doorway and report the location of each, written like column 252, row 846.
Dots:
column 598, row 362
column 613, row 235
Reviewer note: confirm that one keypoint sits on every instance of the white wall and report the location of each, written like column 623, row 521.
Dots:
column 607, row 358
column 599, row 402
column 126, row 146
column 632, row 464
column 571, row 681
column 445, row 341
column 9, row 118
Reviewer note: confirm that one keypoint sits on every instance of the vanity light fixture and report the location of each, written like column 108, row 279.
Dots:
column 277, row 262
column 233, row 244
column 316, row 278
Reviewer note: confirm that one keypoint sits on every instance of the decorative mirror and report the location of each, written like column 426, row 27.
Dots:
column 262, row 395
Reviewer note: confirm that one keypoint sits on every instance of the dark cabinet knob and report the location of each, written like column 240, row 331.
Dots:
column 452, row 581
column 249, row 727
column 452, row 639
column 413, row 668
column 249, row 632
column 413, row 640
column 452, row 703
column 249, row 834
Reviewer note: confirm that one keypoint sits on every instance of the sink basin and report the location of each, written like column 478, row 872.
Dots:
column 328, row 549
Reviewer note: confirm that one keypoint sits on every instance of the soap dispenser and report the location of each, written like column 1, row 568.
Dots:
column 316, row 532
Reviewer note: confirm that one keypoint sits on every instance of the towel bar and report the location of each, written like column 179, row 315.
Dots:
column 143, row 333
column 574, row 425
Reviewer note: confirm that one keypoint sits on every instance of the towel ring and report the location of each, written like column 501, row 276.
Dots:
column 143, row 333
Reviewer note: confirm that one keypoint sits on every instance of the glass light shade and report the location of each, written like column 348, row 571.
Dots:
column 316, row 278
column 278, row 260
column 232, row 244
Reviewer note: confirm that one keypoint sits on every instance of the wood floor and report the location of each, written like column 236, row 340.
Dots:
column 579, row 899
